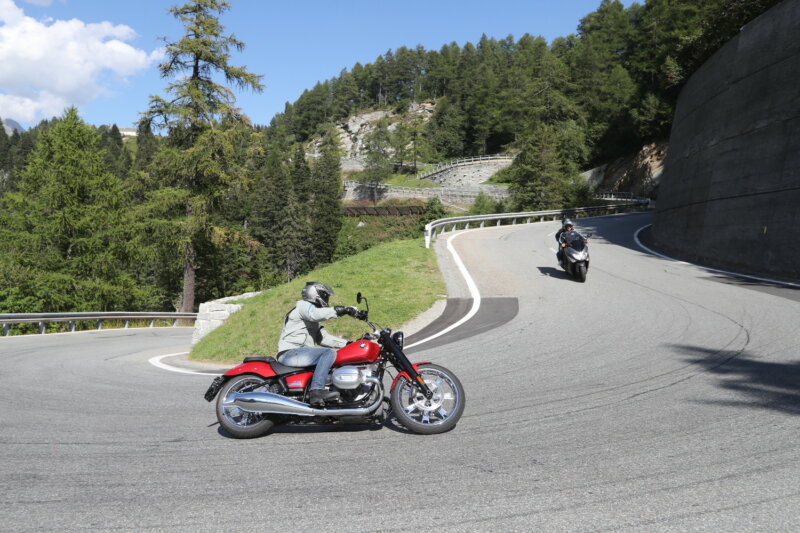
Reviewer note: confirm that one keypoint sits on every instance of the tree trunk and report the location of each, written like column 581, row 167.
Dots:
column 187, row 306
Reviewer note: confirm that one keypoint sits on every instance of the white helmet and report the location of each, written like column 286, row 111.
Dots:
column 317, row 293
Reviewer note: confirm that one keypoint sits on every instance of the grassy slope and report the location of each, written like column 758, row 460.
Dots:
column 401, row 280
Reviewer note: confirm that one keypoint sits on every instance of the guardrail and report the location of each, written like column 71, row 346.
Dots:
column 42, row 319
column 454, row 222
column 444, row 166
column 619, row 196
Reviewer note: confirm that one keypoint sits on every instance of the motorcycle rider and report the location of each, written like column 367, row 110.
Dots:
column 566, row 227
column 561, row 236
column 302, row 330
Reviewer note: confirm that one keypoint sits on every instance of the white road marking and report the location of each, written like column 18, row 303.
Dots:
column 473, row 291
column 156, row 361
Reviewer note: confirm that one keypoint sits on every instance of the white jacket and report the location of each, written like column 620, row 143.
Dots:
column 302, row 328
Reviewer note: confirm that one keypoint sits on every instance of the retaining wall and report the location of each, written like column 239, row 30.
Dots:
column 352, row 190
column 213, row 314
column 730, row 191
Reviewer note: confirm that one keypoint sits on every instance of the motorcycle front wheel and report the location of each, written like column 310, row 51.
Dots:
column 238, row 423
column 580, row 271
column 438, row 414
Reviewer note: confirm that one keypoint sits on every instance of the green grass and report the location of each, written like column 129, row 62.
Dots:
column 491, row 181
column 401, row 180
column 404, row 180
column 401, row 280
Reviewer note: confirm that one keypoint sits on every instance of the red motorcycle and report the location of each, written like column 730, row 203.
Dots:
column 260, row 393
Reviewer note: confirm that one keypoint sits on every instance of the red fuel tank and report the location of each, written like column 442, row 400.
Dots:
column 358, row 352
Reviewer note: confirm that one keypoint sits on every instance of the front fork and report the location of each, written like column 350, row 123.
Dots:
column 405, row 365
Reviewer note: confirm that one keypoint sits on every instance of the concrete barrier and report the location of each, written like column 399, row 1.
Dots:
column 730, row 191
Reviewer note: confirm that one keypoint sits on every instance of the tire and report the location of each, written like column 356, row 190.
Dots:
column 428, row 417
column 238, row 423
column 580, row 271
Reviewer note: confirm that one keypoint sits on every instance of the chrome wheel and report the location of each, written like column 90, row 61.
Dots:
column 237, row 422
column 429, row 415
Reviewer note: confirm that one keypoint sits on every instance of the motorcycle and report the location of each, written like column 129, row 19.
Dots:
column 575, row 259
column 261, row 392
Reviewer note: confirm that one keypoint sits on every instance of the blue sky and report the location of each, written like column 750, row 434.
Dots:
column 102, row 55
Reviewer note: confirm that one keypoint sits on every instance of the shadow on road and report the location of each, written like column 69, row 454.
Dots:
column 616, row 230
column 315, row 428
column 761, row 384
column 554, row 273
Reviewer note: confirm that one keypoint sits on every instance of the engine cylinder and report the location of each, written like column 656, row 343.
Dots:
column 347, row 377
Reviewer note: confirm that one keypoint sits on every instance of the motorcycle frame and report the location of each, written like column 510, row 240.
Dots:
column 390, row 352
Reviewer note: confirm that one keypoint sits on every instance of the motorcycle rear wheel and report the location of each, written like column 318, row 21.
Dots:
column 424, row 416
column 238, row 423
column 580, row 271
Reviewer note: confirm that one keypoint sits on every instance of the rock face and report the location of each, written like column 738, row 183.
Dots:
column 11, row 126
column 639, row 174
column 353, row 131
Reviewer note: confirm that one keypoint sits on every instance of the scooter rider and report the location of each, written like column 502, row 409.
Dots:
column 566, row 227
column 561, row 236
column 302, row 330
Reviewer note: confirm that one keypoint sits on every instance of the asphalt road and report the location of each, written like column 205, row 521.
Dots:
column 654, row 397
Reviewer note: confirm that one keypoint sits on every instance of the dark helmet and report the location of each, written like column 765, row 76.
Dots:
column 317, row 293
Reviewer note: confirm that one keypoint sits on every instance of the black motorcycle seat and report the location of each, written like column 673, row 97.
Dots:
column 276, row 366
column 259, row 359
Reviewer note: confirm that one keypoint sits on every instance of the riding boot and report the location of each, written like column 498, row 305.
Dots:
column 320, row 396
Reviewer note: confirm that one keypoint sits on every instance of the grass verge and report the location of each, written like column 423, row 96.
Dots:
column 401, row 280
column 405, row 180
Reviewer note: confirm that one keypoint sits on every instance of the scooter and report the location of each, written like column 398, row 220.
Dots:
column 575, row 256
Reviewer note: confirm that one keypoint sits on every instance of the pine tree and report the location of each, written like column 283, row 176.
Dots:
column 200, row 117
column 275, row 219
column 378, row 166
column 326, row 204
column 301, row 176
column 64, row 236
column 301, row 186
column 537, row 174
column 5, row 152
column 117, row 156
column 146, row 145
column 445, row 130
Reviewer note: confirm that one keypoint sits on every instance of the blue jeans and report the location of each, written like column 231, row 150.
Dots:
column 307, row 356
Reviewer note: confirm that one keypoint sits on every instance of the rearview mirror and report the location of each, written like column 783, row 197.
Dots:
column 358, row 297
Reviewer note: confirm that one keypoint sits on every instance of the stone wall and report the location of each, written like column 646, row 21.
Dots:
column 730, row 192
column 211, row 315
column 352, row 190
column 469, row 174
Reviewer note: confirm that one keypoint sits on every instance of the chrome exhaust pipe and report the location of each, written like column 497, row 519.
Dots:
column 268, row 402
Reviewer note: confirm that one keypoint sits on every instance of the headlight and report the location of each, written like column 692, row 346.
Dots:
column 397, row 337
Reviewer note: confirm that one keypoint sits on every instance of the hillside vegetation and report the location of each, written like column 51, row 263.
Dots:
column 401, row 280
column 215, row 206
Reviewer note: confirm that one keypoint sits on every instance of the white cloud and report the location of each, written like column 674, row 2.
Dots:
column 47, row 65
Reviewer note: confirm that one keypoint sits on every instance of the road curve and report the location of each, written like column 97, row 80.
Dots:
column 654, row 397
